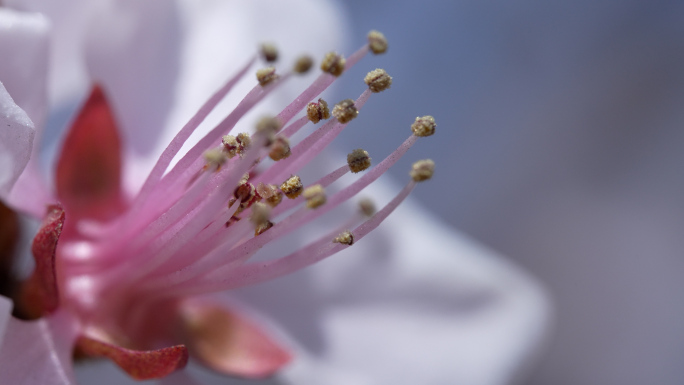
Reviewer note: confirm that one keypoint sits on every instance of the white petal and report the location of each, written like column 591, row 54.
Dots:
column 16, row 141
column 132, row 48
column 24, row 39
column 23, row 69
column 38, row 352
column 221, row 36
column 68, row 78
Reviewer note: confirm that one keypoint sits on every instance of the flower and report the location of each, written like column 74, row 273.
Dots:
column 185, row 184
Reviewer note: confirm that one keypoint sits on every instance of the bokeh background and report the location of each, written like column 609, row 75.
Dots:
column 560, row 144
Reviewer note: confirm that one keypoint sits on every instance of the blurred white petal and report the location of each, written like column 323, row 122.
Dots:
column 70, row 20
column 415, row 302
column 23, row 72
column 37, row 352
column 16, row 141
column 23, row 69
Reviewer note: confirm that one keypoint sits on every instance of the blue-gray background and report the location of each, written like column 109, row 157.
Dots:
column 561, row 144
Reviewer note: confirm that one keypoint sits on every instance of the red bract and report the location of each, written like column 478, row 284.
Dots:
column 141, row 365
column 88, row 177
column 40, row 294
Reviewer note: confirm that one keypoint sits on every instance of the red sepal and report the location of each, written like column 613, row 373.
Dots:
column 39, row 293
column 140, row 365
column 89, row 167
column 229, row 342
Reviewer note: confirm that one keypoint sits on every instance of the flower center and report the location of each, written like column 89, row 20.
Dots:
column 195, row 227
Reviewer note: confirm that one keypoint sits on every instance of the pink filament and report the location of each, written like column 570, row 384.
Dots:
column 308, row 148
column 324, row 181
column 179, row 243
column 232, row 256
column 294, row 127
column 255, row 273
column 177, row 142
column 319, row 85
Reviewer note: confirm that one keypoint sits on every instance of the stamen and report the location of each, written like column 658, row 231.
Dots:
column 244, row 142
column 310, row 147
column 319, row 85
column 269, row 52
column 172, row 149
column 168, row 187
column 280, row 149
column 377, row 42
column 422, row 170
column 367, row 207
column 261, row 213
column 333, row 63
column 302, row 217
column 189, row 247
column 255, row 273
column 250, row 100
column 270, row 194
column 358, row 160
column 378, row 80
column 187, row 225
column 345, row 238
column 303, row 64
column 215, row 158
column 188, row 161
column 230, row 146
column 315, row 196
column 318, row 111
column 325, row 181
column 261, row 228
column 216, row 279
column 345, row 111
column 292, row 187
column 269, row 125
column 266, row 76
column 424, row 126
column 245, row 193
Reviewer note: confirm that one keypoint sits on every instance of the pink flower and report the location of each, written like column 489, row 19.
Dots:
column 132, row 260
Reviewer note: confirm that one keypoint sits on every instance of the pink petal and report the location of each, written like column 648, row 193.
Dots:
column 89, row 167
column 230, row 343
column 16, row 141
column 141, row 365
column 40, row 292
column 38, row 352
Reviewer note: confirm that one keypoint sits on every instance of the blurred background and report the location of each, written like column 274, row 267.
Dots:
column 560, row 144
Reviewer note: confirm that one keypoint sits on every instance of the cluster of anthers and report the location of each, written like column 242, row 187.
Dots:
column 193, row 228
